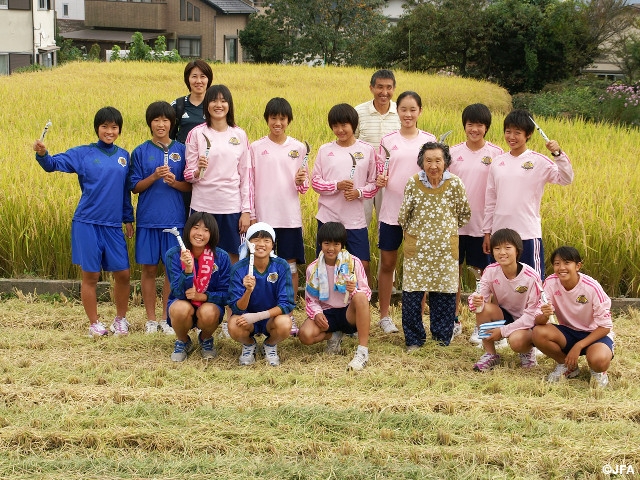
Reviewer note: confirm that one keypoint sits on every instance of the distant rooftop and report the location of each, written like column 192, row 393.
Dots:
column 232, row 6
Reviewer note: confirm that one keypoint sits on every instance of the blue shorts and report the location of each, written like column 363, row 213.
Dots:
column 152, row 244
column 357, row 243
column 574, row 336
column 337, row 318
column 98, row 247
column 533, row 255
column 195, row 309
column 229, row 231
column 508, row 318
column 470, row 250
column 389, row 237
column 289, row 244
column 260, row 328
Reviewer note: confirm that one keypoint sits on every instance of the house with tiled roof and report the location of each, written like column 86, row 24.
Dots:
column 196, row 28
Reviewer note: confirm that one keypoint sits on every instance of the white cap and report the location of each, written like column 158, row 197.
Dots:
column 251, row 231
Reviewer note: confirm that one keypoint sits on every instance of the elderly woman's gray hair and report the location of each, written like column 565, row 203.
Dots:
column 434, row 146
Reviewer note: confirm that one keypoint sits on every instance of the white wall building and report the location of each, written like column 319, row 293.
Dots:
column 28, row 34
column 70, row 9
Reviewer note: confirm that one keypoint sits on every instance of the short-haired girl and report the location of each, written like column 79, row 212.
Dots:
column 199, row 279
column 515, row 288
column 584, row 320
column 97, row 242
column 344, row 174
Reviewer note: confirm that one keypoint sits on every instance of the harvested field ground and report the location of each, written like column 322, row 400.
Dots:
column 72, row 407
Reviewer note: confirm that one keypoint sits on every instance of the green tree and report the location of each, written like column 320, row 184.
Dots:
column 159, row 47
column 321, row 31
column 627, row 52
column 68, row 51
column 521, row 44
column 264, row 41
column 115, row 54
column 94, row 53
column 138, row 49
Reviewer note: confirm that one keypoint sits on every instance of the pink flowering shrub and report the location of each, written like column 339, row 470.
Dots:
column 621, row 103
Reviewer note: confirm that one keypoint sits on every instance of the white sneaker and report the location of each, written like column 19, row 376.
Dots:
column 457, row 329
column 502, row 343
column 334, row 343
column 224, row 330
column 387, row 325
column 475, row 337
column 97, row 329
column 359, row 361
column 528, row 360
column 166, row 328
column 561, row 372
column 271, row 354
column 600, row 379
column 248, row 355
column 120, row 326
column 152, row 326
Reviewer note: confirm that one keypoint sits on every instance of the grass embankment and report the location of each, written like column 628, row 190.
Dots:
column 119, row 408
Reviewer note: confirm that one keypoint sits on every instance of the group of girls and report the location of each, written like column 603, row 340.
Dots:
column 218, row 166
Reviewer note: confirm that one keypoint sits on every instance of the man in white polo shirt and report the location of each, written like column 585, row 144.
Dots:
column 375, row 119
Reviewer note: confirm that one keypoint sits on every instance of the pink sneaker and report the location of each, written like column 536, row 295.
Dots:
column 529, row 360
column 487, row 362
column 294, row 327
column 97, row 330
column 120, row 326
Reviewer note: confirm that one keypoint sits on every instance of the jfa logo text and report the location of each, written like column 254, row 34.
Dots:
column 621, row 469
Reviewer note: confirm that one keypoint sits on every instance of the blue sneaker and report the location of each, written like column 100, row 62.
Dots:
column 181, row 350
column 207, row 348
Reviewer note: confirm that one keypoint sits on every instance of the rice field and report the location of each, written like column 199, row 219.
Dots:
column 598, row 213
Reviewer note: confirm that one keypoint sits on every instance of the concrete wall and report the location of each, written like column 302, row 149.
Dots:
column 17, row 31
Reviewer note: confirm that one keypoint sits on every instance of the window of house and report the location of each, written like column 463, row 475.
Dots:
column 4, row 3
column 189, row 12
column 4, row 64
column 44, row 5
column 65, row 9
column 231, row 49
column 189, row 47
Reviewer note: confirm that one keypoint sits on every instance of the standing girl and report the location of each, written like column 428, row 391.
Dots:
column 97, row 242
column 218, row 166
column 403, row 146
